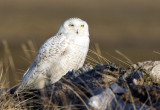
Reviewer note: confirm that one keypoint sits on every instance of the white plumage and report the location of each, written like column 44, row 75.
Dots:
column 61, row 53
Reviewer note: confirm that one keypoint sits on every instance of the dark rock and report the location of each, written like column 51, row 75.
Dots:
column 106, row 87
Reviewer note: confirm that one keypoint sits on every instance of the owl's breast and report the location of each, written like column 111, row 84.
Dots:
column 74, row 55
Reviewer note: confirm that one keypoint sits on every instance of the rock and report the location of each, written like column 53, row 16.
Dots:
column 149, row 94
column 117, row 89
column 107, row 100
column 105, row 87
column 143, row 73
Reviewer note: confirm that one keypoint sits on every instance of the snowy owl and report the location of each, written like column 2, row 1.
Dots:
column 66, row 51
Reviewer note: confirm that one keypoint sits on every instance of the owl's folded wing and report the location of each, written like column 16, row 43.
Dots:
column 49, row 52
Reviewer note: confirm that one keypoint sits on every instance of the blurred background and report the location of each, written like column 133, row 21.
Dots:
column 130, row 26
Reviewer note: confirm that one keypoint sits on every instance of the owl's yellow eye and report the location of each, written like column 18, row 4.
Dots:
column 71, row 25
column 82, row 25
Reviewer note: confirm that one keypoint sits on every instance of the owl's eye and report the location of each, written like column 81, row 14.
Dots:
column 82, row 25
column 70, row 25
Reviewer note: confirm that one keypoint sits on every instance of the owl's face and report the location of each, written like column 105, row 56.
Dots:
column 74, row 26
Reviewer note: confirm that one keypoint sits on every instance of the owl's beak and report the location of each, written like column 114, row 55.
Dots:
column 77, row 31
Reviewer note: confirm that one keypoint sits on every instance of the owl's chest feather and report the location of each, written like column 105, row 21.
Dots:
column 77, row 46
column 74, row 53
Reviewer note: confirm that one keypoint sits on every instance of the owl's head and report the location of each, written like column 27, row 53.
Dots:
column 74, row 26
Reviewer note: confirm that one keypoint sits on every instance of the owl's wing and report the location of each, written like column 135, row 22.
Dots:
column 52, row 48
column 49, row 52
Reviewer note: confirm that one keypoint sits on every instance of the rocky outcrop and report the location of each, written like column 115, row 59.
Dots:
column 106, row 87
